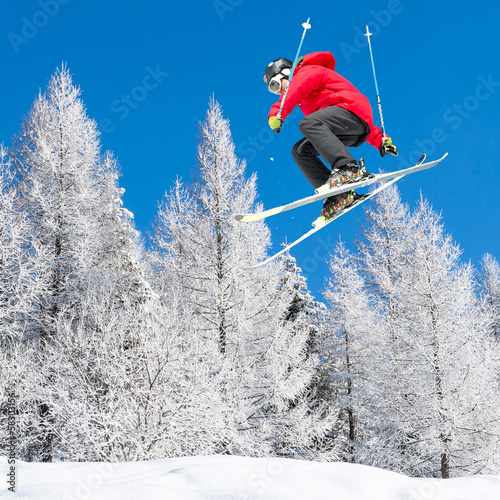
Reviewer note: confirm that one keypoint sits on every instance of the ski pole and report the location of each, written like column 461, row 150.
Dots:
column 367, row 34
column 306, row 26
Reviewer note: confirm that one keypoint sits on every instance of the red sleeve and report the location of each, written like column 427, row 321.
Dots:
column 375, row 138
column 303, row 84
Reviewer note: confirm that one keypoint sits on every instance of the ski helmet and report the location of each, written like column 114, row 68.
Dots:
column 274, row 68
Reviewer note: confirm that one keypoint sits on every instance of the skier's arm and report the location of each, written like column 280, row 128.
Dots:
column 303, row 83
column 375, row 138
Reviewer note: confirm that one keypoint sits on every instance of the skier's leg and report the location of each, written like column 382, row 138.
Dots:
column 306, row 157
column 327, row 133
column 331, row 130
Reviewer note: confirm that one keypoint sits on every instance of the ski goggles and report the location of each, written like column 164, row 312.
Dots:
column 274, row 84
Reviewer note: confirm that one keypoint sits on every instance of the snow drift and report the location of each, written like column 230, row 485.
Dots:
column 234, row 478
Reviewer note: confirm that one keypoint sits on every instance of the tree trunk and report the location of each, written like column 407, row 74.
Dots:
column 445, row 466
column 351, row 417
column 47, row 452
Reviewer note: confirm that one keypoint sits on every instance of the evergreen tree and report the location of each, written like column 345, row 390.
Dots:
column 438, row 420
column 352, row 352
column 449, row 333
column 304, row 311
column 79, row 246
column 303, row 307
column 15, row 289
column 252, row 361
column 489, row 281
column 383, row 263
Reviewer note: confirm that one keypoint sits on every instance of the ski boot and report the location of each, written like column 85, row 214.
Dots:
column 352, row 172
column 333, row 205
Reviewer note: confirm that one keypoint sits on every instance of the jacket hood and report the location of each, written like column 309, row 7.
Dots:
column 325, row 59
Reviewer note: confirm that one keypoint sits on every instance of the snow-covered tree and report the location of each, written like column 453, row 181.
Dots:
column 304, row 311
column 79, row 245
column 351, row 350
column 303, row 306
column 438, row 419
column 252, row 362
column 15, row 297
column 13, row 275
column 383, row 259
column 449, row 333
column 489, row 281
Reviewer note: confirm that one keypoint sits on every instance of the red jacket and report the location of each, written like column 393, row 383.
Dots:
column 315, row 85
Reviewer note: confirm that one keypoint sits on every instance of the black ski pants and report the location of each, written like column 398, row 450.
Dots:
column 327, row 133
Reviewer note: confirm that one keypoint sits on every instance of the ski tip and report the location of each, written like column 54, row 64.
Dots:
column 246, row 217
column 254, row 267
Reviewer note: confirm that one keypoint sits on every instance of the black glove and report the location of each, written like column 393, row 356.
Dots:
column 387, row 147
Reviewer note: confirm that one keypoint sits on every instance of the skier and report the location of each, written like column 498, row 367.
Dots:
column 337, row 116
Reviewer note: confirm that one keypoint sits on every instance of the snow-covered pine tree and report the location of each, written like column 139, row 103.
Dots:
column 13, row 275
column 239, row 345
column 15, row 290
column 80, row 248
column 450, row 332
column 9, row 245
column 489, row 287
column 195, row 422
column 489, row 292
column 303, row 305
column 382, row 256
column 352, row 352
column 304, row 311
column 438, row 419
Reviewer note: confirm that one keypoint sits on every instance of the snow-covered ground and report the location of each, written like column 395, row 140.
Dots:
column 233, row 478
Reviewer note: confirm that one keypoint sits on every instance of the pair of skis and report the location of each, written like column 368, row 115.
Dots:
column 391, row 177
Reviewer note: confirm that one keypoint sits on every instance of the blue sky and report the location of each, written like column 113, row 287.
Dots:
column 148, row 68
